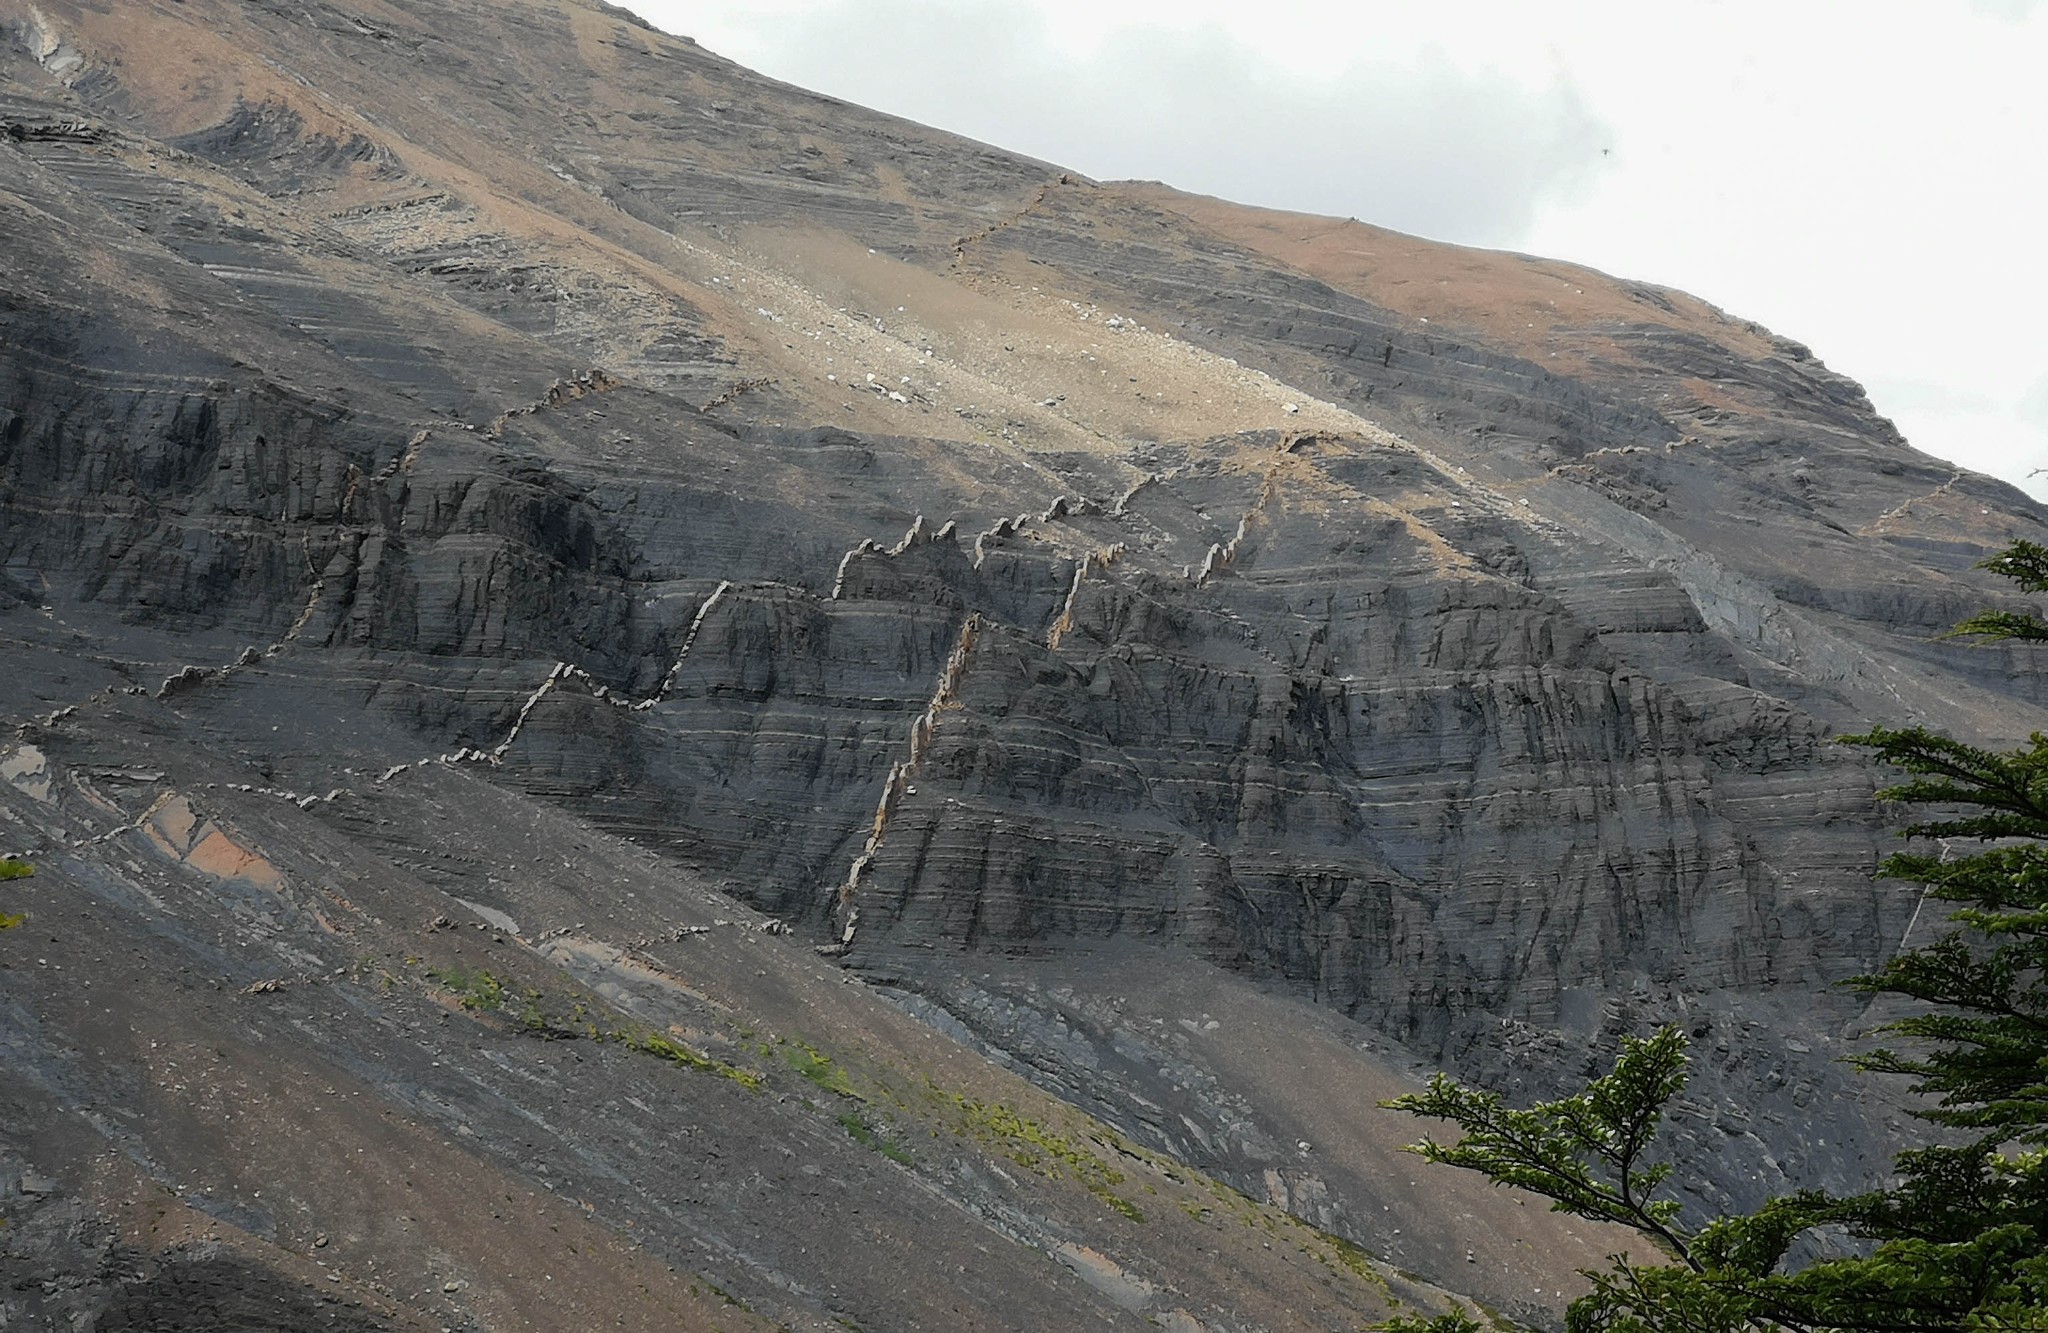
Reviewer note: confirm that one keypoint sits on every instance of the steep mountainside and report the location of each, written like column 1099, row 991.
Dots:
column 645, row 698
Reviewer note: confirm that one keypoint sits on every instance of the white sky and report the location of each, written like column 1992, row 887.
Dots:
column 1866, row 176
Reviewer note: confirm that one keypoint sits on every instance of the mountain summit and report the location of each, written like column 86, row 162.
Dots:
column 643, row 699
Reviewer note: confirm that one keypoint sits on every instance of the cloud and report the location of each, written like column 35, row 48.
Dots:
column 1919, row 395
column 1989, row 433
column 1411, row 140
column 2033, row 407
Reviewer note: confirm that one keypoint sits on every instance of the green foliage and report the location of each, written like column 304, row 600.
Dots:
column 2026, row 564
column 1036, row 1146
column 13, row 869
column 818, row 1068
column 1453, row 1321
column 477, row 991
column 1982, row 1054
column 1957, row 1241
column 482, row 992
column 2001, row 625
column 1956, row 1244
column 851, row 1122
column 665, row 1047
column 1351, row 1258
column 1586, row 1152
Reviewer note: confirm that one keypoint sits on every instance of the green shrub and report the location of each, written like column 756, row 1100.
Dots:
column 665, row 1047
column 478, row 991
column 818, row 1067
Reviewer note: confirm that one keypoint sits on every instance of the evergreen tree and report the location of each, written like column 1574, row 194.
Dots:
column 1957, row 1241
column 2026, row 564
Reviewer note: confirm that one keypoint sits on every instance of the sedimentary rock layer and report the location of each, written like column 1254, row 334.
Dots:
column 1031, row 592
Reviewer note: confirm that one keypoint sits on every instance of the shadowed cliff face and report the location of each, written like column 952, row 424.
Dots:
column 1208, row 661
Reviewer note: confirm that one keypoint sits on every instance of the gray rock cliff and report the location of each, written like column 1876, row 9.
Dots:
column 535, row 471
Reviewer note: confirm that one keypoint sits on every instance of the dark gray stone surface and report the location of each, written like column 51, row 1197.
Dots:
column 523, row 432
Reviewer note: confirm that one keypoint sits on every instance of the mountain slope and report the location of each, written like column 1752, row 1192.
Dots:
column 500, row 501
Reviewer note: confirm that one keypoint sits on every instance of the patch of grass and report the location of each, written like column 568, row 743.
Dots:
column 819, row 1068
column 1332, row 1251
column 1351, row 1258
column 538, row 1016
column 1116, row 1203
column 851, row 1122
column 478, row 991
column 13, row 869
column 1355, row 1258
column 664, row 1047
column 1038, row 1147
column 1452, row 1321
column 1242, row 1206
column 531, row 1016
column 722, row 1294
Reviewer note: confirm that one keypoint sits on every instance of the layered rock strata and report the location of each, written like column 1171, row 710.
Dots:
column 972, row 567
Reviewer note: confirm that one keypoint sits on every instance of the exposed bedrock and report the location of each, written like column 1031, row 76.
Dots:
column 1356, row 758
column 197, row 504
column 1403, row 843
column 1036, row 594
column 1318, row 716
